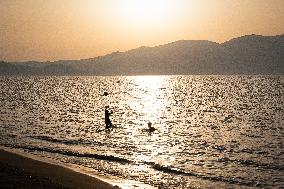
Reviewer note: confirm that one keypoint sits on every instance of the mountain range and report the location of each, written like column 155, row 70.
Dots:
column 248, row 55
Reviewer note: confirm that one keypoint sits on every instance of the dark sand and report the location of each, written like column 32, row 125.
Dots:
column 19, row 172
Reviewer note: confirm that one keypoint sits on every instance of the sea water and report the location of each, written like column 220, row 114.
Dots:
column 211, row 131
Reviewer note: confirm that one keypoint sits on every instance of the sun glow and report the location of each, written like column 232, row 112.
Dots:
column 146, row 11
column 147, row 14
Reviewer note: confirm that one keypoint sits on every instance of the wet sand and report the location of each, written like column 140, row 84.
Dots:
column 19, row 172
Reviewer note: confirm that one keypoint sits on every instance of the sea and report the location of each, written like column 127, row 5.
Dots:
column 211, row 131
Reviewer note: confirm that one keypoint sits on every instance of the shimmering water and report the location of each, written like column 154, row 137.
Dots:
column 212, row 131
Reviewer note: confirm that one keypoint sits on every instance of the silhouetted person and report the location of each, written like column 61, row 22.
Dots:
column 150, row 128
column 107, row 119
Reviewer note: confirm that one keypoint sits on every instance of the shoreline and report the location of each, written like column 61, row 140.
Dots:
column 27, row 166
column 20, row 171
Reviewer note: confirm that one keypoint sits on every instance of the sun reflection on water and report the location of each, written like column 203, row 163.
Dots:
column 150, row 99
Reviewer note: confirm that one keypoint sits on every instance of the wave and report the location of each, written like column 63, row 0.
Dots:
column 173, row 170
column 75, row 154
column 66, row 141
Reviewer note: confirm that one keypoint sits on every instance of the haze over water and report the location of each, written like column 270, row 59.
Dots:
column 221, row 131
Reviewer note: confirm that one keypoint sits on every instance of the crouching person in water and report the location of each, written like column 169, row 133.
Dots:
column 107, row 119
column 150, row 128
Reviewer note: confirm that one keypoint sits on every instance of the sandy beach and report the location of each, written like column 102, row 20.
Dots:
column 21, row 172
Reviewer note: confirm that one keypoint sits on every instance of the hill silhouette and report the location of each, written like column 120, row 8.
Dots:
column 251, row 54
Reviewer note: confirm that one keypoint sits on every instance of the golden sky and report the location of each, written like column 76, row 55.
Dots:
column 75, row 29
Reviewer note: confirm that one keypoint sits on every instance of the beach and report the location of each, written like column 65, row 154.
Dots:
column 21, row 172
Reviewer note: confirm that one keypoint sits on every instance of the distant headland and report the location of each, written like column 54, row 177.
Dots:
column 250, row 54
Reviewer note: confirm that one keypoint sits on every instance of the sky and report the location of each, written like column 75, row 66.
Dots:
column 49, row 30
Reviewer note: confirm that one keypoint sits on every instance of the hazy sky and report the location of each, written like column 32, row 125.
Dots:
column 74, row 29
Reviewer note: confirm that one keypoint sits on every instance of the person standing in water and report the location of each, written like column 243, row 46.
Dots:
column 107, row 119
